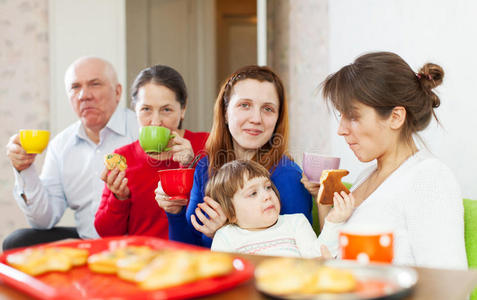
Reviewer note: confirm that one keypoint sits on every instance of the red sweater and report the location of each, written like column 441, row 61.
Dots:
column 140, row 214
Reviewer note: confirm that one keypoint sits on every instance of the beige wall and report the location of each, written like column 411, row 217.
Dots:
column 24, row 88
column 82, row 28
column 298, row 51
column 357, row 27
column 189, row 48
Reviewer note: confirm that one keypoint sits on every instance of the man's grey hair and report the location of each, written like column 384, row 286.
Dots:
column 109, row 71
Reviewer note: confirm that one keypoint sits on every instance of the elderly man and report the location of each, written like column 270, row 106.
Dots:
column 74, row 158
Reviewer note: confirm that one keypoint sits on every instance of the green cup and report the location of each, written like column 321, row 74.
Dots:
column 154, row 139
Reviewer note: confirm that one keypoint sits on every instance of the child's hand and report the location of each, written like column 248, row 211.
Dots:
column 343, row 206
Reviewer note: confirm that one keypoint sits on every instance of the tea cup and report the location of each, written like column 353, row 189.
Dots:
column 34, row 140
column 154, row 139
column 177, row 183
column 367, row 244
column 314, row 164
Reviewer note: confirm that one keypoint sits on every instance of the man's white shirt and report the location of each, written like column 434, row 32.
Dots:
column 71, row 174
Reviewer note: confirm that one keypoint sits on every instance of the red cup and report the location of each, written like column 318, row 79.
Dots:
column 367, row 245
column 177, row 183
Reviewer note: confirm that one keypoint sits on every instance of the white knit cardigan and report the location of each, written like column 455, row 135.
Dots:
column 421, row 201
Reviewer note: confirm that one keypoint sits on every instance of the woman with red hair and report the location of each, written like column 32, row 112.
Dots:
column 250, row 123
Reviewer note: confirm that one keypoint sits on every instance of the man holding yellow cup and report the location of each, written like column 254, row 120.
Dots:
column 34, row 140
column 74, row 158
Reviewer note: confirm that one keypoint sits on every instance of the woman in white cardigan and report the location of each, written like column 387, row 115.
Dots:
column 383, row 104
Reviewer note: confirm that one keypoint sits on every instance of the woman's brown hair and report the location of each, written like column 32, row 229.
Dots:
column 383, row 80
column 220, row 143
column 161, row 75
column 229, row 179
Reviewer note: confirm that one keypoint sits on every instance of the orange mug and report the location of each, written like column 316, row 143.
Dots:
column 367, row 245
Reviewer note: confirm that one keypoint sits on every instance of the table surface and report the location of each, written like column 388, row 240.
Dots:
column 432, row 284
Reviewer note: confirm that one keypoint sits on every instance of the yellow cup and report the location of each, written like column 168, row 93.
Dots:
column 34, row 140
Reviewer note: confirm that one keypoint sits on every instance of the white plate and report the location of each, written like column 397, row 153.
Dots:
column 394, row 282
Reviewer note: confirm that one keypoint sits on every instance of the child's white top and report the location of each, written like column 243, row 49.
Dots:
column 421, row 200
column 292, row 235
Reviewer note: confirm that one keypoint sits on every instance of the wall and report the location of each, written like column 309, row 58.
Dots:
column 24, row 91
column 423, row 31
column 236, row 29
column 189, row 48
column 83, row 28
column 298, row 52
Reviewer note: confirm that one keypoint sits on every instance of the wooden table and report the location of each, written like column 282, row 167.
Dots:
column 433, row 284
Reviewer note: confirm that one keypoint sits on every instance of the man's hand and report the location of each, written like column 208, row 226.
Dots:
column 18, row 156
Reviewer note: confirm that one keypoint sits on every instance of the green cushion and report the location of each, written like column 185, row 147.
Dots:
column 470, row 222
column 316, row 220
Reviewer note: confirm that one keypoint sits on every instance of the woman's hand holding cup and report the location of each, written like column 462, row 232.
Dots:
column 181, row 149
column 311, row 187
column 170, row 206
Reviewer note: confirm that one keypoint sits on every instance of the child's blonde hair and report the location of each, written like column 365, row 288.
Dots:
column 232, row 177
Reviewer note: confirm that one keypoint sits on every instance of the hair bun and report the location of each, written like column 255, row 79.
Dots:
column 430, row 76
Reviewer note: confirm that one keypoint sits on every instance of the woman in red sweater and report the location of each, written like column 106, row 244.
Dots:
column 159, row 97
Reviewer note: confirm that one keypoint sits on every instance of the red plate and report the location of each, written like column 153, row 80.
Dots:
column 80, row 282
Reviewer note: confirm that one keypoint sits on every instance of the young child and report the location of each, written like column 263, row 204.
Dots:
column 251, row 203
